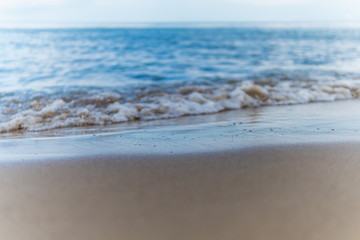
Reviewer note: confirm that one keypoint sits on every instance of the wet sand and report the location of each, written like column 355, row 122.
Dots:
column 280, row 192
column 274, row 180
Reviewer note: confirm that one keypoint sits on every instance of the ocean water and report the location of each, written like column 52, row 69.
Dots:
column 69, row 77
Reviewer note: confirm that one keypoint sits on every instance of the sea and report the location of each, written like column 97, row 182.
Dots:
column 68, row 77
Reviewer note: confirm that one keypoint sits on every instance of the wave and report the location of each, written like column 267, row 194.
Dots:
column 102, row 107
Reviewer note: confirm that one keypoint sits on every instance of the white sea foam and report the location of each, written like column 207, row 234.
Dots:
column 99, row 108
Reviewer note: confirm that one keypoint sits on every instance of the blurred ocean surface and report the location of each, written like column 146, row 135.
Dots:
column 68, row 77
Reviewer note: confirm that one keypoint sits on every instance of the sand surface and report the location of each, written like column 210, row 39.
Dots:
column 290, row 192
column 274, row 180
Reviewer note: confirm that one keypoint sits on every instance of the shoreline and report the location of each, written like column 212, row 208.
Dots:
column 292, row 182
column 317, row 123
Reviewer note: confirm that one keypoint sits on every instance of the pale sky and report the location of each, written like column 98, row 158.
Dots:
column 44, row 11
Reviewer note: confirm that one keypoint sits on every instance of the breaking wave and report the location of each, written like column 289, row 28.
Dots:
column 44, row 111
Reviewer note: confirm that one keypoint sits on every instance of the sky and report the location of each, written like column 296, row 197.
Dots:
column 45, row 11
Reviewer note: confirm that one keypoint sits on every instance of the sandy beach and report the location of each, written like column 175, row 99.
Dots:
column 271, row 175
column 282, row 192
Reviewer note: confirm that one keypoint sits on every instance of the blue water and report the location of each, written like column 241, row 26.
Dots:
column 73, row 65
column 118, row 57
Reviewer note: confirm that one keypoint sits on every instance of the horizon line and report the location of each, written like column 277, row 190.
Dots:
column 175, row 24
